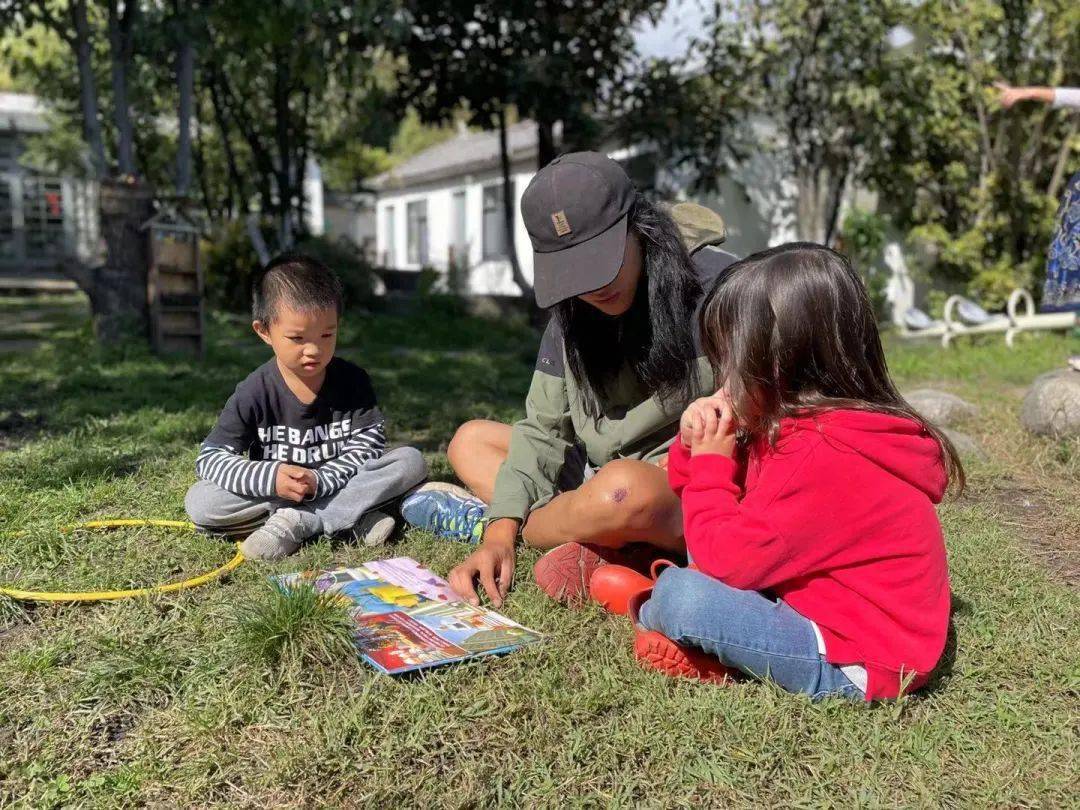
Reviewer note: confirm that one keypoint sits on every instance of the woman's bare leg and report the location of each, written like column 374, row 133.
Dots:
column 625, row 502
column 476, row 452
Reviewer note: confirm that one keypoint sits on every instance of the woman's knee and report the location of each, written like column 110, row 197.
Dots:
column 627, row 494
column 466, row 439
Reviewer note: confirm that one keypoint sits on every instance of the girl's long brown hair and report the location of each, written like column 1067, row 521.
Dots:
column 791, row 331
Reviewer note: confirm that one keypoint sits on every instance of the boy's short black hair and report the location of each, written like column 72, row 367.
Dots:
column 302, row 282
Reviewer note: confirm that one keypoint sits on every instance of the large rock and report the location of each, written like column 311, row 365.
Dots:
column 940, row 407
column 1052, row 405
column 965, row 445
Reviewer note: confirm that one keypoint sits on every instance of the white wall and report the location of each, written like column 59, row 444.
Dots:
column 491, row 277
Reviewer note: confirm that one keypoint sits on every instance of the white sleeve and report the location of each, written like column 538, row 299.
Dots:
column 1067, row 96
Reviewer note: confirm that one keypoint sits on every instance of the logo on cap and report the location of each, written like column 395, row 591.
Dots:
column 562, row 225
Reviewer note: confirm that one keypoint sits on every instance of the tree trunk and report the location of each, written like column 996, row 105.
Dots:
column 508, row 208
column 118, row 292
column 235, row 179
column 185, row 80
column 285, row 170
column 91, row 124
column 546, row 150
column 120, row 47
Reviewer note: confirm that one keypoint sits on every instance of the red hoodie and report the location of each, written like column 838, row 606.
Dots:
column 837, row 520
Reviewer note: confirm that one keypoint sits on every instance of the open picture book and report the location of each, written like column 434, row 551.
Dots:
column 407, row 618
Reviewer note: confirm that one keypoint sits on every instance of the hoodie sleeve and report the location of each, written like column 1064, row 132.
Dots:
column 678, row 466
column 735, row 540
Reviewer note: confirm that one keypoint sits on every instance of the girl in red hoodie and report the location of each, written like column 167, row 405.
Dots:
column 808, row 488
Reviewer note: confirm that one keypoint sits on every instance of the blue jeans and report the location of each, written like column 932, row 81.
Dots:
column 745, row 630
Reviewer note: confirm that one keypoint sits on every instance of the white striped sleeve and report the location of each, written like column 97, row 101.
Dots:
column 233, row 472
column 363, row 445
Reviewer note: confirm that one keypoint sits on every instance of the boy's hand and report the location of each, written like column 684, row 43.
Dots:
column 708, row 426
column 295, row 483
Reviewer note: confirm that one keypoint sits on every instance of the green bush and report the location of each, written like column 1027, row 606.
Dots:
column 862, row 238
column 230, row 265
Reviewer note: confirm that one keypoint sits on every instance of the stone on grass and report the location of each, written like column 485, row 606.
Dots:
column 940, row 407
column 965, row 445
column 1052, row 405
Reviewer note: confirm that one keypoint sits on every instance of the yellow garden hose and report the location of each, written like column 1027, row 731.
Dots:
column 102, row 596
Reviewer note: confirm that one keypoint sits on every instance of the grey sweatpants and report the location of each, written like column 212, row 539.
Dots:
column 214, row 509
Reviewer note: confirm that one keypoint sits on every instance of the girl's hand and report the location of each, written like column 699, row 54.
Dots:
column 708, row 426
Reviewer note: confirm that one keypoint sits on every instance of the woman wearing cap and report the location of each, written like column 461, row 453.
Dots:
column 582, row 472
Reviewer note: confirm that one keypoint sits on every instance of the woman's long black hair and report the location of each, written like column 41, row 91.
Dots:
column 655, row 336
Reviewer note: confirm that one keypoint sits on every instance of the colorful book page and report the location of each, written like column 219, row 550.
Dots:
column 408, row 618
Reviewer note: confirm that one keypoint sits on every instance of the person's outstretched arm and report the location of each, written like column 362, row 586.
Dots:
column 1057, row 96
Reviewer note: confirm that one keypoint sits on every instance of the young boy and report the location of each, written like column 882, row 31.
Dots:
column 316, row 460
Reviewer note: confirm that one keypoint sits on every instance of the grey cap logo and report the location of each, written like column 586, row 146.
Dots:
column 562, row 225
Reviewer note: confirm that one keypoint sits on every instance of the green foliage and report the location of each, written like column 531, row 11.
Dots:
column 975, row 184
column 231, row 264
column 549, row 60
column 296, row 626
column 862, row 238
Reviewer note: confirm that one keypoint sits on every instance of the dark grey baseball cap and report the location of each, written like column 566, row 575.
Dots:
column 575, row 210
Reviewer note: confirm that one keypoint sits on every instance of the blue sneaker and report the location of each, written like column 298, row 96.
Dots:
column 447, row 511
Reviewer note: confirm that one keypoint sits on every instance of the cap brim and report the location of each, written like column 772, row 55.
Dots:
column 580, row 269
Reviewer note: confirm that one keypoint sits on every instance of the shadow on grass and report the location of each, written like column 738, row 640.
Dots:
column 944, row 670
column 431, row 374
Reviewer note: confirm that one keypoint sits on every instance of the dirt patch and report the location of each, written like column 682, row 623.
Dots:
column 1050, row 538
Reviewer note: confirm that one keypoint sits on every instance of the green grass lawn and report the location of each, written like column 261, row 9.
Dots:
column 225, row 695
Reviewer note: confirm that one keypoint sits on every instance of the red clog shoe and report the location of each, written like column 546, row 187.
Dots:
column 564, row 572
column 613, row 586
column 654, row 650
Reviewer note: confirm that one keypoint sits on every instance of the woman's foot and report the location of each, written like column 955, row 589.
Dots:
column 447, row 511
column 656, row 651
column 564, row 573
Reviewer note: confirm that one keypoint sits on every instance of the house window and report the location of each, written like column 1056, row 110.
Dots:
column 494, row 221
column 417, row 224
column 9, row 152
column 460, row 244
column 389, row 238
column 43, row 215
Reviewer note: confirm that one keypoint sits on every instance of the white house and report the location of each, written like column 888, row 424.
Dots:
column 42, row 217
column 444, row 205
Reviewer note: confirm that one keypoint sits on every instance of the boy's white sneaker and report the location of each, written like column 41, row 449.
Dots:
column 281, row 535
column 374, row 528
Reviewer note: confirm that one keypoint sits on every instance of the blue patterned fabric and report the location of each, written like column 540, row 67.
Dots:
column 1062, row 290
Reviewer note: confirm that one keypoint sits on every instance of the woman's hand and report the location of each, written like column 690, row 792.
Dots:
column 708, row 426
column 492, row 564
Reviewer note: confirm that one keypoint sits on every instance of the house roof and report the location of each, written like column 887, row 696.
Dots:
column 462, row 154
column 22, row 112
